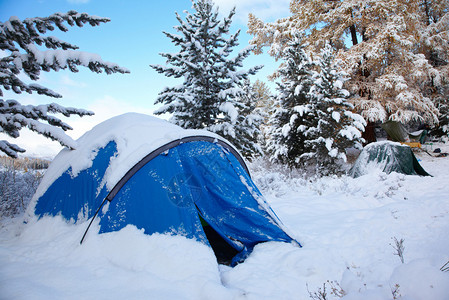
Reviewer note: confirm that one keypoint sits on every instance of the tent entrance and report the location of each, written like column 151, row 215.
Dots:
column 222, row 250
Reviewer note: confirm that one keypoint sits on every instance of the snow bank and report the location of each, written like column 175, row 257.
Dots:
column 48, row 262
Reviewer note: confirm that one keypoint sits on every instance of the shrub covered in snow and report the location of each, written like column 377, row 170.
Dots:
column 19, row 179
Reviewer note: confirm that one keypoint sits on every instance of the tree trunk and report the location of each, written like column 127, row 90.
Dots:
column 369, row 134
column 426, row 6
column 353, row 35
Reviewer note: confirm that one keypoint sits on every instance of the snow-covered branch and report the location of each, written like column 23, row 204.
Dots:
column 20, row 40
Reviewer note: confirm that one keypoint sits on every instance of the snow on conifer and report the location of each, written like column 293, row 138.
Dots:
column 313, row 122
column 210, row 95
column 20, row 41
column 286, row 142
column 241, row 125
column 336, row 127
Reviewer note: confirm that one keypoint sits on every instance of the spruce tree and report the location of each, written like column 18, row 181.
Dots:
column 265, row 107
column 20, row 41
column 293, row 112
column 244, row 131
column 336, row 127
column 210, row 95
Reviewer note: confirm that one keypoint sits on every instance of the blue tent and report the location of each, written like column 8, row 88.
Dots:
column 181, row 184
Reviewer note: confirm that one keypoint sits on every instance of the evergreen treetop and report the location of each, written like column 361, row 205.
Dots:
column 211, row 93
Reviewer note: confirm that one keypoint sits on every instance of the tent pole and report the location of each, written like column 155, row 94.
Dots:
column 96, row 213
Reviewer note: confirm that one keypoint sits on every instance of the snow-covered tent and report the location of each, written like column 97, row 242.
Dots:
column 138, row 170
column 388, row 157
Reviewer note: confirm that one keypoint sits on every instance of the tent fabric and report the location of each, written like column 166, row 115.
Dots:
column 388, row 157
column 168, row 190
column 397, row 132
column 164, row 148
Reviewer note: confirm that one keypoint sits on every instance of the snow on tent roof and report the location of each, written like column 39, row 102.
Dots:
column 160, row 178
column 135, row 134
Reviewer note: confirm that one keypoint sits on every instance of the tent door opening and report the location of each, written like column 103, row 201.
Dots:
column 222, row 250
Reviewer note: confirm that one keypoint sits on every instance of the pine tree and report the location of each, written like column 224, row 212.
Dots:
column 293, row 113
column 337, row 127
column 26, row 36
column 244, row 132
column 265, row 108
column 210, row 95
column 264, row 98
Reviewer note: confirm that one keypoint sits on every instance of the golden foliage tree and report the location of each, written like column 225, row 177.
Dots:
column 396, row 51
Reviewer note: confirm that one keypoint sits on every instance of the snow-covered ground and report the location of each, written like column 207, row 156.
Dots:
column 347, row 227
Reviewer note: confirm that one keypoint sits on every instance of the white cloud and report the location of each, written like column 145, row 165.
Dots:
column 267, row 10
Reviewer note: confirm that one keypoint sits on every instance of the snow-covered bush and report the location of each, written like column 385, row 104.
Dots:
column 18, row 183
column 442, row 130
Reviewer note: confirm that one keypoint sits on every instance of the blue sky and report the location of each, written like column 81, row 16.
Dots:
column 133, row 39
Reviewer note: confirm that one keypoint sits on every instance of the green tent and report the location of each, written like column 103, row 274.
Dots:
column 388, row 157
column 397, row 132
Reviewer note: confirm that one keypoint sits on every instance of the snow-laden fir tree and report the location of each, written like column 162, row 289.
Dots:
column 293, row 112
column 242, row 127
column 265, row 107
column 21, row 43
column 337, row 127
column 210, row 94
